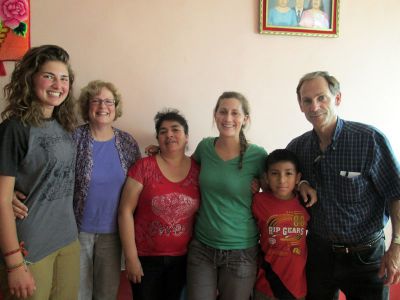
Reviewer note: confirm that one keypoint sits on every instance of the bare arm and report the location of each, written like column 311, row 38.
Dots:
column 308, row 193
column 151, row 150
column 19, row 208
column 390, row 265
column 127, row 206
column 20, row 280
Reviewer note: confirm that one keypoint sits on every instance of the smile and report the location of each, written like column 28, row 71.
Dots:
column 54, row 94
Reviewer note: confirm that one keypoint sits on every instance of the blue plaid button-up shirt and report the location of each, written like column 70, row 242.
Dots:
column 356, row 177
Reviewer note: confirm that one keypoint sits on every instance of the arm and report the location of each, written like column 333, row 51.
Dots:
column 390, row 265
column 129, row 200
column 19, row 208
column 151, row 150
column 20, row 280
column 307, row 192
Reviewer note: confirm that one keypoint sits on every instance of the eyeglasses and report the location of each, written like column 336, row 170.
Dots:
column 107, row 102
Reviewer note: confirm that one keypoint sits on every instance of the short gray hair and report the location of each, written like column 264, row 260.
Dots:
column 333, row 83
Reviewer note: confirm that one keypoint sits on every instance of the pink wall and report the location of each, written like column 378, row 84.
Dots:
column 184, row 53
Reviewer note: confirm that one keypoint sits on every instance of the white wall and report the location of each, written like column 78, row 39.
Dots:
column 185, row 53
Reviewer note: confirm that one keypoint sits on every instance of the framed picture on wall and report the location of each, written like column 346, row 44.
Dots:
column 300, row 17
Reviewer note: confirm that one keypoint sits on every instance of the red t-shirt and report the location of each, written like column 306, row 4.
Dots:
column 282, row 225
column 165, row 212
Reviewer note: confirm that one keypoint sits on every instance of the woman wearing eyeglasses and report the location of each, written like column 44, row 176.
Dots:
column 104, row 155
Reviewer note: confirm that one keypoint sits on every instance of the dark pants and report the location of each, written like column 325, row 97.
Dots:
column 354, row 272
column 278, row 288
column 164, row 278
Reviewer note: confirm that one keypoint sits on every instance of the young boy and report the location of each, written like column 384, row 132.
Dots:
column 282, row 222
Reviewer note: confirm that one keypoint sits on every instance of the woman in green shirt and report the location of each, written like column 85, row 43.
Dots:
column 222, row 257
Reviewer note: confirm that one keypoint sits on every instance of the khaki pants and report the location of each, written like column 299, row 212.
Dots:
column 56, row 275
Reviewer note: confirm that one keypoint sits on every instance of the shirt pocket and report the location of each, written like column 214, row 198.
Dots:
column 351, row 188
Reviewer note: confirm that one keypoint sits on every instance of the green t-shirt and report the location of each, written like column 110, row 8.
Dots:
column 224, row 220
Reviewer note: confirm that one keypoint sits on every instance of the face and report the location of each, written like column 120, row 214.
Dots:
column 282, row 178
column 230, row 117
column 282, row 3
column 172, row 137
column 318, row 104
column 316, row 4
column 51, row 85
column 101, row 113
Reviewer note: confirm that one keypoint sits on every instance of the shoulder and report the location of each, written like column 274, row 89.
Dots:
column 12, row 123
column 365, row 131
column 359, row 128
column 257, row 150
column 122, row 134
column 261, row 198
column 300, row 139
column 145, row 161
column 125, row 137
column 205, row 143
column 14, row 126
column 195, row 165
column 81, row 131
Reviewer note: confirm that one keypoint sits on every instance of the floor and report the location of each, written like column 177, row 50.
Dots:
column 125, row 293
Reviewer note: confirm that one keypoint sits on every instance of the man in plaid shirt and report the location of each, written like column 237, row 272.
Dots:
column 357, row 179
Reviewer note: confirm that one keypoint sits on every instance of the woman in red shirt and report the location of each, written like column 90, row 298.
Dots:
column 156, row 214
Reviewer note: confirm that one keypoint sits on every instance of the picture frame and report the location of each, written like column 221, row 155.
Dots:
column 316, row 18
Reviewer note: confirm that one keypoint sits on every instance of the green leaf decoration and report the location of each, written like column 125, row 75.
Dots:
column 21, row 29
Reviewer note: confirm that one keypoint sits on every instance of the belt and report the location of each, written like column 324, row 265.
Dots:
column 343, row 248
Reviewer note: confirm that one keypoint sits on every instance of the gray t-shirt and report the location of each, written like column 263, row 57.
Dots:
column 42, row 159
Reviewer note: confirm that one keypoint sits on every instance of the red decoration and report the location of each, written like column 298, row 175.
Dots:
column 14, row 30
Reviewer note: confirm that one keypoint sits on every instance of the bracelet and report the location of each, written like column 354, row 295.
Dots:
column 15, row 267
column 300, row 183
column 20, row 249
column 396, row 239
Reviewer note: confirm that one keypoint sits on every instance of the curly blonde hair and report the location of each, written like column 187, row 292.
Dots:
column 91, row 90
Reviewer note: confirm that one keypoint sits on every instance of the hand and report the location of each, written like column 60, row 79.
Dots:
column 20, row 210
column 390, row 265
column 308, row 194
column 134, row 271
column 21, row 283
column 255, row 185
column 151, row 150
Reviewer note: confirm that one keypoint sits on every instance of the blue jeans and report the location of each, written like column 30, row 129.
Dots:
column 230, row 273
column 355, row 273
column 164, row 278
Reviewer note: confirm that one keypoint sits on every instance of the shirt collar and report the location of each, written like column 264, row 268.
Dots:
column 336, row 134
column 338, row 131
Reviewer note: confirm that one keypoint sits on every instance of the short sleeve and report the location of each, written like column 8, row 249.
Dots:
column 263, row 157
column 14, row 138
column 137, row 171
column 197, row 153
column 385, row 169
